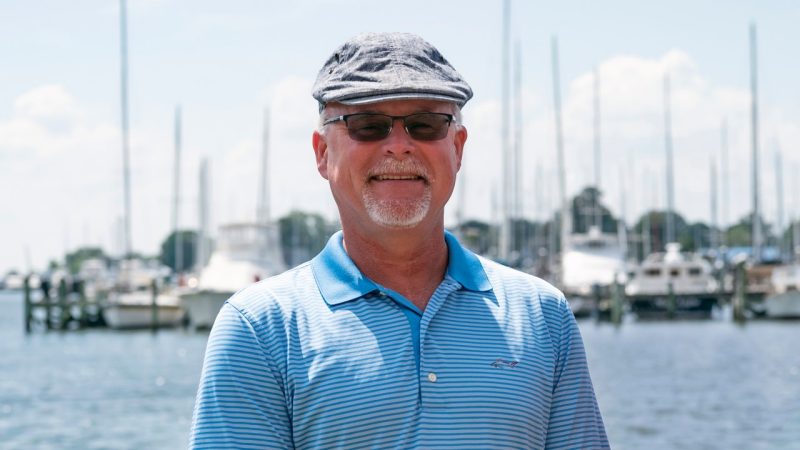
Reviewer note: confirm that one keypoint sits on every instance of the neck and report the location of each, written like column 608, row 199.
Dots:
column 410, row 262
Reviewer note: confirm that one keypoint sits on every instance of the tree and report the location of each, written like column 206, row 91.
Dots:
column 188, row 246
column 76, row 258
column 740, row 234
column 480, row 237
column 657, row 221
column 586, row 207
column 303, row 235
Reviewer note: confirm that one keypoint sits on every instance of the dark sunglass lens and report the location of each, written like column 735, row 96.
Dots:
column 368, row 127
column 428, row 126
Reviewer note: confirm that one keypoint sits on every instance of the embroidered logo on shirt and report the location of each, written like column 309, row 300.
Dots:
column 501, row 363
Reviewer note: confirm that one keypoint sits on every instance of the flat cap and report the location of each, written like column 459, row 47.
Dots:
column 375, row 67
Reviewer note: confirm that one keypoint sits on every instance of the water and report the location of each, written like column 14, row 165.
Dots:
column 682, row 385
column 697, row 385
column 95, row 389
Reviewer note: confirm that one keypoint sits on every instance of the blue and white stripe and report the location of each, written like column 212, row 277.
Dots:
column 322, row 357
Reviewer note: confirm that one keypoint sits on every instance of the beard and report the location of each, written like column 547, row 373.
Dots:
column 398, row 213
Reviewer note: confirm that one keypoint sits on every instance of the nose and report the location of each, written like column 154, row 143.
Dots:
column 398, row 142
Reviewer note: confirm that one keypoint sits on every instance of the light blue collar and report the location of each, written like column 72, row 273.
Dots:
column 339, row 280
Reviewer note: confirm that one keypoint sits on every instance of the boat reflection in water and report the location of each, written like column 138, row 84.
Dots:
column 245, row 253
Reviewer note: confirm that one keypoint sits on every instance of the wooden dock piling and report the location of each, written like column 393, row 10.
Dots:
column 154, row 306
column 739, row 299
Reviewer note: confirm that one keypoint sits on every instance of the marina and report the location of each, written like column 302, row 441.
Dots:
column 650, row 176
column 660, row 385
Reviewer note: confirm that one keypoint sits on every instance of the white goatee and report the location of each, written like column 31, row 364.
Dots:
column 398, row 213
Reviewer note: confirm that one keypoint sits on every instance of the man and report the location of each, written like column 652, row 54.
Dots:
column 395, row 336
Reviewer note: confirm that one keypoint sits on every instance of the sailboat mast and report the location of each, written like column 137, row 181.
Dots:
column 725, row 173
column 598, row 217
column 796, row 215
column 779, row 200
column 203, row 219
column 262, row 211
column 714, row 230
column 562, row 175
column 516, row 165
column 757, row 238
column 126, row 178
column 177, row 239
column 622, row 227
column 505, row 226
column 670, row 235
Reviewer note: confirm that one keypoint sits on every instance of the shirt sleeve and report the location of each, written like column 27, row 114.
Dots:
column 575, row 420
column 240, row 402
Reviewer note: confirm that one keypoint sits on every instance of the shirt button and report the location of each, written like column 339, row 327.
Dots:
column 432, row 377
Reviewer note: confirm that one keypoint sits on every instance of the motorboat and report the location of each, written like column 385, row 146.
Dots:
column 13, row 281
column 246, row 253
column 783, row 298
column 590, row 266
column 140, row 299
column 137, row 310
column 673, row 284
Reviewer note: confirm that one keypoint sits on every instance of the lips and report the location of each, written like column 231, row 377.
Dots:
column 392, row 177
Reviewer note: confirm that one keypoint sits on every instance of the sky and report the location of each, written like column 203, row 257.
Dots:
column 225, row 63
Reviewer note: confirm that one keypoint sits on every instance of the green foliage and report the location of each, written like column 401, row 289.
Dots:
column 76, row 258
column 587, row 207
column 303, row 235
column 168, row 255
column 480, row 237
column 740, row 234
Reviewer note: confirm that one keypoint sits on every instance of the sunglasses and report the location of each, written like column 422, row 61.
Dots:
column 371, row 127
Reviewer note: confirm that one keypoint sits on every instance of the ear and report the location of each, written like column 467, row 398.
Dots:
column 321, row 153
column 458, row 144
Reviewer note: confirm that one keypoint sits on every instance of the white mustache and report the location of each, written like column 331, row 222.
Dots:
column 395, row 167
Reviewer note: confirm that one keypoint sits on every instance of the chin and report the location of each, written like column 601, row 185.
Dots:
column 397, row 214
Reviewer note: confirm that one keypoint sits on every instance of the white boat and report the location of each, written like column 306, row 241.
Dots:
column 13, row 281
column 589, row 267
column 246, row 253
column 673, row 282
column 783, row 300
column 135, row 310
column 130, row 304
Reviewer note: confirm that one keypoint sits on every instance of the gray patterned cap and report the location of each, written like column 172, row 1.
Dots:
column 375, row 67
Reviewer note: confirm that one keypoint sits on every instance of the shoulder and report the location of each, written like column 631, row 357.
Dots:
column 517, row 283
column 523, row 291
column 277, row 296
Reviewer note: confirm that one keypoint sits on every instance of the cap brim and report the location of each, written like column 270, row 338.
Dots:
column 400, row 96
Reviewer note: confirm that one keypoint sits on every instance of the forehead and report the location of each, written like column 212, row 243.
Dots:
column 392, row 107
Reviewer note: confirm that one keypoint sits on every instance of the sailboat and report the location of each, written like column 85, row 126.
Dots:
column 246, row 252
column 141, row 298
column 591, row 260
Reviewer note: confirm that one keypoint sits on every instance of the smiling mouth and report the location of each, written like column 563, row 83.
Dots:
column 397, row 177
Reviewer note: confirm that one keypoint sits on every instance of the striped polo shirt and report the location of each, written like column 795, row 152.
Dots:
column 322, row 357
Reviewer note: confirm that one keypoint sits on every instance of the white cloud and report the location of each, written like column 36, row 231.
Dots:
column 632, row 129
column 60, row 164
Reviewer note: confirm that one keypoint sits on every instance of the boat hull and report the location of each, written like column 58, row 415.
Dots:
column 783, row 306
column 202, row 307
column 135, row 310
column 122, row 316
column 683, row 306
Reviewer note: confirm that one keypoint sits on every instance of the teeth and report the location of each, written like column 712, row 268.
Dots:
column 397, row 177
